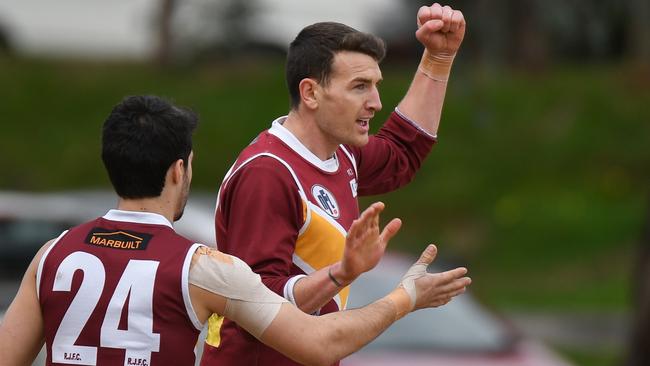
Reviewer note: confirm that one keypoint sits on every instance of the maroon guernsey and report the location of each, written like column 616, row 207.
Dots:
column 114, row 291
column 286, row 213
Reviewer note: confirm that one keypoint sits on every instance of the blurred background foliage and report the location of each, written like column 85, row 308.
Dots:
column 539, row 182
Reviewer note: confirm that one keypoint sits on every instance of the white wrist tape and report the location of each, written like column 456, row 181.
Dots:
column 436, row 66
column 402, row 302
column 408, row 281
column 249, row 303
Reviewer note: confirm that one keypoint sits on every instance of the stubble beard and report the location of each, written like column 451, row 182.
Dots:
column 183, row 202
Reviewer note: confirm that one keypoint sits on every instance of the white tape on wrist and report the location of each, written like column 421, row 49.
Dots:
column 436, row 67
column 408, row 281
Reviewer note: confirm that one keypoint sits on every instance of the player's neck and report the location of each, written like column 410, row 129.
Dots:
column 306, row 130
column 156, row 205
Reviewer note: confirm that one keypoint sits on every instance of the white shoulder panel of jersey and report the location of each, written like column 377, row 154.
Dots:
column 185, row 286
column 39, row 271
column 232, row 172
column 351, row 158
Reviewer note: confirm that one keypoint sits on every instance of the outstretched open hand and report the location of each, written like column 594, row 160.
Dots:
column 364, row 244
column 433, row 289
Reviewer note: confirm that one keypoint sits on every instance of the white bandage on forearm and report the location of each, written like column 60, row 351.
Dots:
column 249, row 303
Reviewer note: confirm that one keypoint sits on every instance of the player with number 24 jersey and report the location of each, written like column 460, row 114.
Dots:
column 130, row 270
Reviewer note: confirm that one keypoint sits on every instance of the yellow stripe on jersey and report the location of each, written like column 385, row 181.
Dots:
column 213, row 337
column 320, row 245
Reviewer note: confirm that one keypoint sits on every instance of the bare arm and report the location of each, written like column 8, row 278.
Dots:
column 315, row 290
column 21, row 331
column 323, row 340
column 364, row 247
column 441, row 31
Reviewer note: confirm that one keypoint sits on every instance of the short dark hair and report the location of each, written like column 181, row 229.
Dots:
column 141, row 138
column 311, row 53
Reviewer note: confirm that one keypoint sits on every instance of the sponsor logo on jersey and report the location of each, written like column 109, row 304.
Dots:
column 118, row 239
column 326, row 200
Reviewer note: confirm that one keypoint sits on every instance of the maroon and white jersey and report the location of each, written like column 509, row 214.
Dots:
column 286, row 213
column 114, row 291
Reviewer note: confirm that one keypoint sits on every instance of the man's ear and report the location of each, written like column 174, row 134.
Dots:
column 309, row 89
column 178, row 171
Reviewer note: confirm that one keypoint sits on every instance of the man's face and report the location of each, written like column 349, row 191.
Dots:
column 187, row 180
column 350, row 99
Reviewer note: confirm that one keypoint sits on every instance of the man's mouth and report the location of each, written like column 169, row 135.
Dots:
column 364, row 122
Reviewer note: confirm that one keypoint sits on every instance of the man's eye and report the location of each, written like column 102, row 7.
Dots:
column 360, row 86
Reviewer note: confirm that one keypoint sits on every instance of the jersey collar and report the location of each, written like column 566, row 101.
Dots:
column 137, row 217
column 278, row 130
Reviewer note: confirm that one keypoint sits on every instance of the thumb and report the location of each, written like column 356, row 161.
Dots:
column 428, row 29
column 432, row 25
column 428, row 255
column 418, row 270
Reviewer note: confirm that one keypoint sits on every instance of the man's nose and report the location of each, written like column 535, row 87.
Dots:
column 374, row 102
